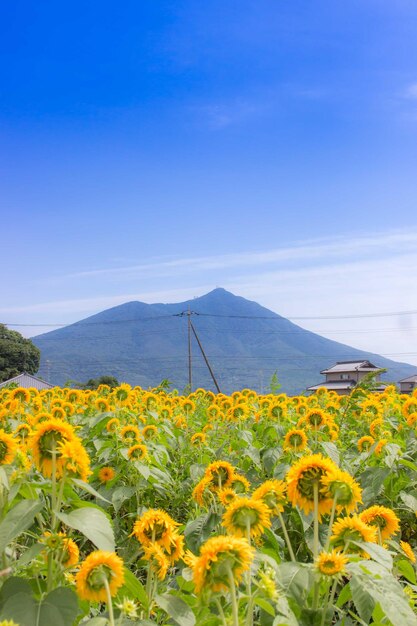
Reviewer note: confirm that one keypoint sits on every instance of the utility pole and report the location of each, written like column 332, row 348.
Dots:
column 190, row 379
column 191, row 329
column 205, row 358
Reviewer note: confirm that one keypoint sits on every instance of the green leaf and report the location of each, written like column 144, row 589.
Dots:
column 344, row 596
column 286, row 616
column 362, row 600
column 407, row 570
column 200, row 529
column 296, row 578
column 86, row 487
column 21, row 608
column 373, row 579
column 60, row 608
column 377, row 553
column 29, row 555
column 409, row 501
column 265, row 605
column 94, row 524
column 176, row 608
column 133, row 588
column 96, row 621
column 17, row 520
column 331, row 450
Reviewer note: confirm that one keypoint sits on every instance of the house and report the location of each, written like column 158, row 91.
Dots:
column 345, row 375
column 27, row 380
column 407, row 385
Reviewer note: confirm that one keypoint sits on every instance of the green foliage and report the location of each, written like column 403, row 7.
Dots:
column 17, row 354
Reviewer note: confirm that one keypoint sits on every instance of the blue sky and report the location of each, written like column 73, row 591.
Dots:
column 155, row 150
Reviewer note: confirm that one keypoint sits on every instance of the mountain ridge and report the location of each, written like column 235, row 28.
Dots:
column 245, row 342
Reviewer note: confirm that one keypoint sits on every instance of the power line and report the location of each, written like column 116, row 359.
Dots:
column 276, row 318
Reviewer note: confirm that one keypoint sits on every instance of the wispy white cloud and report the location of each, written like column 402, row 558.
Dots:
column 320, row 250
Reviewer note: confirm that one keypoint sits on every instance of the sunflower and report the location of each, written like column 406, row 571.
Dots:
column 22, row 433
column 408, row 551
column 375, row 426
column 8, row 448
column 350, row 529
column 315, row 418
column 409, row 406
column 221, row 474
column 137, row 452
column 176, row 551
column 75, row 458
column 106, row 474
column 226, row 495
column 58, row 412
column 158, row 560
column 112, row 425
column 364, row 443
column 130, row 433
column 45, row 439
column 8, row 622
column 97, row 566
column 198, row 439
column 71, row 553
column 302, row 478
column 155, row 526
column 218, row 556
column 149, row 432
column 201, row 492
column 295, row 439
column 213, row 411
column 21, row 394
column 341, row 486
column 331, row 563
column 380, row 446
column 383, row 519
column 240, row 484
column 102, row 405
column 188, row 406
column 272, row 493
column 245, row 515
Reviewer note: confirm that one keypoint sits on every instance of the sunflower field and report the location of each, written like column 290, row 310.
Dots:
column 128, row 507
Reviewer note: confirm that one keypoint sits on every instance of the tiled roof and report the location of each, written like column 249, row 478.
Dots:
column 410, row 379
column 26, row 381
column 351, row 366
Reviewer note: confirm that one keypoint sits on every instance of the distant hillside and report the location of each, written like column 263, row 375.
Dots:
column 142, row 344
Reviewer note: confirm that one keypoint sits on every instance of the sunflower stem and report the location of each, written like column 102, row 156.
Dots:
column 316, row 520
column 249, row 616
column 286, row 536
column 235, row 611
column 53, row 489
column 221, row 612
column 329, row 602
column 332, row 514
column 109, row 601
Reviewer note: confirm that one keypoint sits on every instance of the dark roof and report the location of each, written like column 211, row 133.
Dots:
column 334, row 384
column 351, row 366
column 27, row 380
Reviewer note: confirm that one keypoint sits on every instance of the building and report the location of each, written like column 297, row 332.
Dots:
column 407, row 385
column 27, row 380
column 345, row 375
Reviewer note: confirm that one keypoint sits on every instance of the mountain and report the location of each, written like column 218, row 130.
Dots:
column 245, row 343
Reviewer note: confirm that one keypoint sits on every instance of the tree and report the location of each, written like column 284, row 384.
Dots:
column 93, row 383
column 17, row 354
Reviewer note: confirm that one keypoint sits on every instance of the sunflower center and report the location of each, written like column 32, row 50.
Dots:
column 245, row 516
column 49, row 441
column 306, row 482
column 95, row 577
